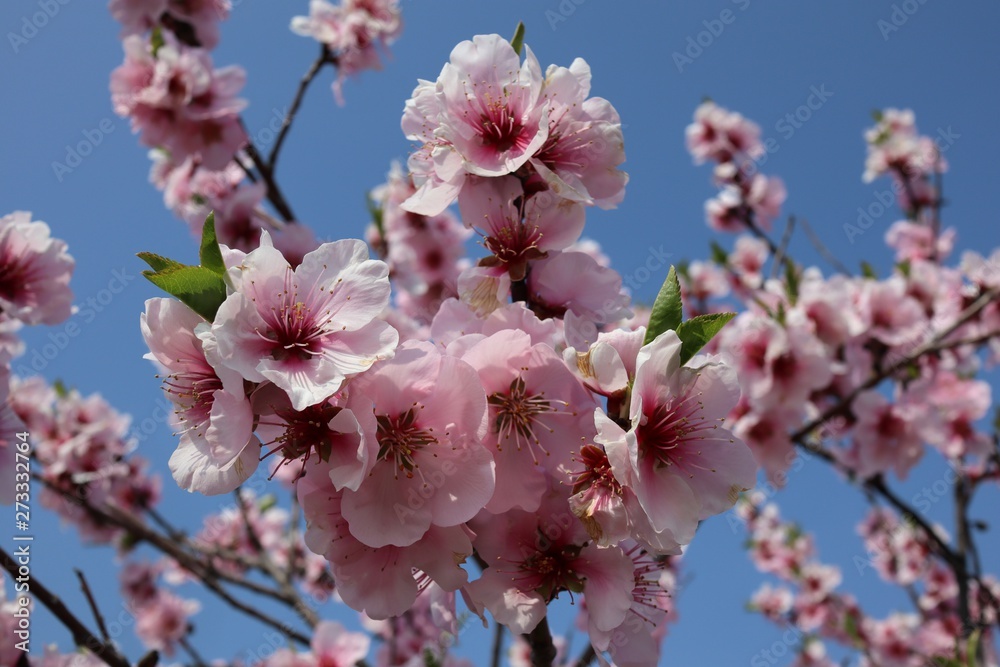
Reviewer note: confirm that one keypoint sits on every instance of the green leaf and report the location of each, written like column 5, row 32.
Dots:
column 973, row 647
column 696, row 332
column 210, row 253
column 868, row 271
column 517, row 41
column 377, row 214
column 267, row 502
column 201, row 289
column 791, row 282
column 156, row 40
column 904, row 267
column 60, row 388
column 667, row 310
column 158, row 262
column 719, row 255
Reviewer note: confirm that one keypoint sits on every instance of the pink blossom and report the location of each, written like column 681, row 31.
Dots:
column 138, row 582
column 721, row 135
column 354, row 31
column 913, row 241
column 484, row 116
column 163, row 621
column 574, row 281
column 886, row 435
column 636, row 641
column 200, row 17
column 34, row 271
column 776, row 365
column 539, row 415
column 341, row 433
column 217, row 451
column 305, row 329
column 608, row 365
column 515, row 228
column 579, row 159
column 432, row 469
column 178, row 102
column 767, row 433
column 681, row 462
column 773, row 602
column 534, row 557
column 383, row 582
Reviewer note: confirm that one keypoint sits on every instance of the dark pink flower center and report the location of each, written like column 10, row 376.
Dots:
column 400, row 438
column 669, row 427
column 194, row 393
column 501, row 128
column 517, row 413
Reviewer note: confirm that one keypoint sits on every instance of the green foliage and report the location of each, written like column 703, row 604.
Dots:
column 201, row 288
column 668, row 310
column 696, row 332
column 517, row 41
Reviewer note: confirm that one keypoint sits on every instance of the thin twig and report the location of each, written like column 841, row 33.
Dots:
column 83, row 637
column 497, row 649
column 93, row 605
column 325, row 57
column 187, row 646
column 821, row 248
column 203, row 571
column 782, row 250
column 274, row 194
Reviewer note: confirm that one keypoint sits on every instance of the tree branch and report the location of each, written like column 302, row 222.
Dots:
column 543, row 650
column 325, row 57
column 83, row 637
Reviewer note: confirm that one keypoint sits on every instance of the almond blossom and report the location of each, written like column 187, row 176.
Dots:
column 483, row 116
column 34, row 271
column 217, row 451
column 678, row 457
column 305, row 329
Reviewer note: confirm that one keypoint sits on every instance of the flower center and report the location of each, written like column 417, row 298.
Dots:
column 194, row 393
column 500, row 128
column 400, row 438
column 669, row 427
column 517, row 415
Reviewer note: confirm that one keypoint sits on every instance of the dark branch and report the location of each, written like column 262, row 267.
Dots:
column 106, row 651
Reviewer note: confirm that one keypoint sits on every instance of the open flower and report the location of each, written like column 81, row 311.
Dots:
column 678, row 458
column 217, row 451
column 482, row 117
column 306, row 329
column 34, row 271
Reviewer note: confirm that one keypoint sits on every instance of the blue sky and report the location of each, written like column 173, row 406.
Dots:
column 763, row 59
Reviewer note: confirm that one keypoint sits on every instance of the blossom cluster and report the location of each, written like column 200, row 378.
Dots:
column 352, row 33
column 747, row 198
column 808, row 600
column 809, row 345
column 35, row 271
column 188, row 113
column 537, row 432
